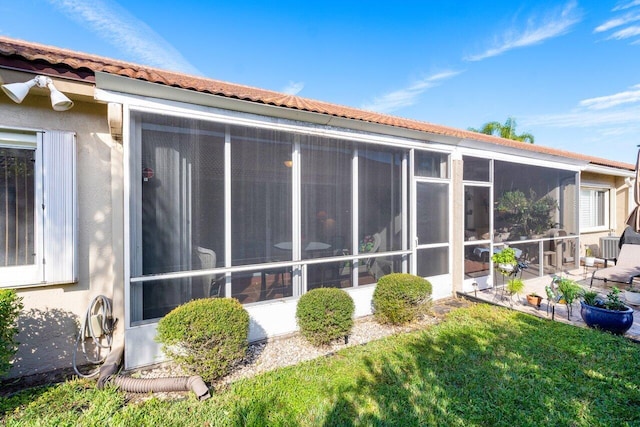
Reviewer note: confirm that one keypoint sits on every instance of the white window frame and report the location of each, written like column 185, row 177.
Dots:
column 55, row 209
column 30, row 273
column 609, row 208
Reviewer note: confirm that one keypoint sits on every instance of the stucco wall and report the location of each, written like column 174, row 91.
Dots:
column 49, row 322
column 621, row 210
column 457, row 271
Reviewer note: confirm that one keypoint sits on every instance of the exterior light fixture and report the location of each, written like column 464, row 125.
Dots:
column 288, row 163
column 18, row 91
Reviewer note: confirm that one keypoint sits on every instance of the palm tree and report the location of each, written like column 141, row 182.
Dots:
column 506, row 130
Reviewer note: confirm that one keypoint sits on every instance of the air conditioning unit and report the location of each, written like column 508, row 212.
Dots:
column 609, row 247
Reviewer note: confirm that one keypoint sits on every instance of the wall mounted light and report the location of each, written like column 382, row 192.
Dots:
column 18, row 91
column 288, row 163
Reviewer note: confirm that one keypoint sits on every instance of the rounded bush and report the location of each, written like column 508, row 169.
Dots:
column 399, row 298
column 10, row 307
column 206, row 336
column 325, row 314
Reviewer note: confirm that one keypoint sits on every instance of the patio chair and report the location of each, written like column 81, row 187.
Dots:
column 627, row 266
column 211, row 285
column 379, row 266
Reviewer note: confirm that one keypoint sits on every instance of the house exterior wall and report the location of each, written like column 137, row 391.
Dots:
column 49, row 322
column 624, row 204
column 50, row 319
column 621, row 193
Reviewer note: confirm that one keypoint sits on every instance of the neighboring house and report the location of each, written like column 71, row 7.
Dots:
column 158, row 187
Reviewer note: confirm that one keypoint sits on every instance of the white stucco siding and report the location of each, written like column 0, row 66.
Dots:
column 49, row 321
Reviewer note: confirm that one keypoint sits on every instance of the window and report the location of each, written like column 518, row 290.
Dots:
column 432, row 165
column 532, row 202
column 594, row 209
column 326, row 197
column 37, row 208
column 475, row 169
column 379, row 210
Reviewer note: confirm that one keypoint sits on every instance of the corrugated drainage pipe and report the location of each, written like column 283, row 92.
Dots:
column 111, row 366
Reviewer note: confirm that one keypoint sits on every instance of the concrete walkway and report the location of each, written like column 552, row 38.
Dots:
column 537, row 285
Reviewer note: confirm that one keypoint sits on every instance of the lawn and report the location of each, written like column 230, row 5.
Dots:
column 481, row 366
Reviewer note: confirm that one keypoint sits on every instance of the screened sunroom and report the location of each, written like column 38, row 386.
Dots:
column 262, row 213
column 261, row 210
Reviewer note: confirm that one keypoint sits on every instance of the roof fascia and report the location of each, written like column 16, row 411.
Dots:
column 128, row 86
column 604, row 170
column 109, row 84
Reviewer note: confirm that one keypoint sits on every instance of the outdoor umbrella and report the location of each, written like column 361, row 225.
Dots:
column 634, row 218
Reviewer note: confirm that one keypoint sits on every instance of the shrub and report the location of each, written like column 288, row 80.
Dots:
column 515, row 286
column 10, row 306
column 325, row 314
column 399, row 298
column 206, row 336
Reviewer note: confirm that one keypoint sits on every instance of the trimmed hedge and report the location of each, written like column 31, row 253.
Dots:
column 207, row 337
column 399, row 298
column 10, row 306
column 325, row 314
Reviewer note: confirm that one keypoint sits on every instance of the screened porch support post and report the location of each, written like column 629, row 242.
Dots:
column 413, row 242
column 354, row 216
column 576, row 216
column 405, row 210
column 296, row 218
column 456, row 224
column 227, row 209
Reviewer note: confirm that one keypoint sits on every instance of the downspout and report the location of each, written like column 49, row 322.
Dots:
column 108, row 374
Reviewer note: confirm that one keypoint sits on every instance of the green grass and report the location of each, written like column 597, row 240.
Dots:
column 481, row 366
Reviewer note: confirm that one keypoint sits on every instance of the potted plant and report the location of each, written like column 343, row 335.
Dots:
column 515, row 286
column 610, row 315
column 632, row 295
column 505, row 260
column 534, row 299
column 568, row 291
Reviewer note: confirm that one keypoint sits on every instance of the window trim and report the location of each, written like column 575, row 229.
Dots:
column 30, row 274
column 55, row 210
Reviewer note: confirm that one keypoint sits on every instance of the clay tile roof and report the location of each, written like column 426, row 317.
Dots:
column 34, row 52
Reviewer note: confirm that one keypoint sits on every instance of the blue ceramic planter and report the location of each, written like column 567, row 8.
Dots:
column 616, row 322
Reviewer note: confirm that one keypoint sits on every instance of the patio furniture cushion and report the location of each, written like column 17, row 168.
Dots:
column 627, row 266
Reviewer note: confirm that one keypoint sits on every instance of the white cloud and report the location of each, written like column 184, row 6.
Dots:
column 535, row 33
column 408, row 96
column 628, row 5
column 293, row 88
column 631, row 31
column 609, row 101
column 618, row 22
column 586, row 118
column 124, row 31
column 615, row 114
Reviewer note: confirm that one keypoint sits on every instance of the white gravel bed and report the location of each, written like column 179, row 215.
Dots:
column 290, row 350
column 280, row 352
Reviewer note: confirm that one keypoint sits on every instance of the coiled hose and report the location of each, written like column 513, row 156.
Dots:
column 144, row 385
column 100, row 307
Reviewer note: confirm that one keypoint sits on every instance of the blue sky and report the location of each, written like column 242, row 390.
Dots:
column 568, row 72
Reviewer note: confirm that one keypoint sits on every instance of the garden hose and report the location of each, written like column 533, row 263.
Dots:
column 97, row 324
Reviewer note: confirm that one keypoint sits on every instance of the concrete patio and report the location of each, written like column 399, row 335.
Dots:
column 537, row 285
